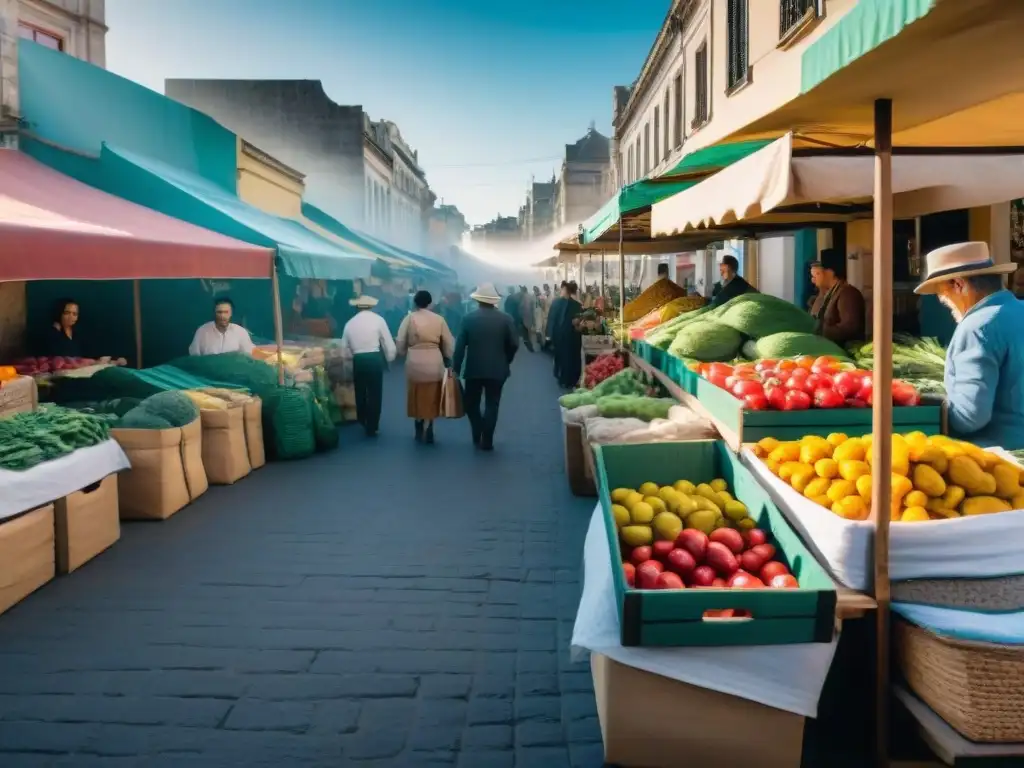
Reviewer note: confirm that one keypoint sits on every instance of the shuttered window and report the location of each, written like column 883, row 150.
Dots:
column 739, row 42
column 793, row 13
column 647, row 148
column 657, row 137
column 668, row 121
column 679, row 111
column 700, row 85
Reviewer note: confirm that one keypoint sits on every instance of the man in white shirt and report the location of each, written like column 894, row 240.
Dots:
column 221, row 335
column 369, row 340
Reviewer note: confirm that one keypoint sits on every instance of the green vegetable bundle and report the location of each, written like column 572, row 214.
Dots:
column 757, row 315
column 578, row 398
column 787, row 344
column 663, row 335
column 634, row 406
column 912, row 358
column 164, row 410
column 625, row 382
column 29, row 439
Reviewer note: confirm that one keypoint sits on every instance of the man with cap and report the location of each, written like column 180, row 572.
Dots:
column 838, row 309
column 483, row 357
column 984, row 374
column 731, row 284
column 369, row 340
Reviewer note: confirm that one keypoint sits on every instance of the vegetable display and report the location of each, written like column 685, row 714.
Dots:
column 36, row 366
column 653, row 297
column 29, row 439
column 634, row 407
column 933, row 478
column 626, row 382
column 801, row 383
column 694, row 536
column 164, row 410
column 601, row 368
column 922, row 362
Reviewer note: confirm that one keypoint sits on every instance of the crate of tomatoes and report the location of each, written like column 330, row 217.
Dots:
column 791, row 398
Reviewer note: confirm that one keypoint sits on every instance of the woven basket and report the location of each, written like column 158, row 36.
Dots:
column 978, row 688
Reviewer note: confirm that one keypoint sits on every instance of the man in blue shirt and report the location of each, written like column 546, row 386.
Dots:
column 985, row 361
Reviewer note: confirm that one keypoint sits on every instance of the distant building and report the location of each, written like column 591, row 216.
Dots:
column 538, row 214
column 501, row 229
column 446, row 228
column 358, row 169
column 585, row 180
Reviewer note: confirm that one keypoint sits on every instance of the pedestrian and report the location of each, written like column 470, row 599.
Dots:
column 427, row 342
column 483, row 357
column 525, row 319
column 367, row 337
column 512, row 303
column 539, row 310
column 555, row 311
column 569, row 341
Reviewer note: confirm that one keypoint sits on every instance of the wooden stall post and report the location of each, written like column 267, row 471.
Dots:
column 622, row 276
column 602, row 275
column 881, row 412
column 278, row 323
column 137, row 319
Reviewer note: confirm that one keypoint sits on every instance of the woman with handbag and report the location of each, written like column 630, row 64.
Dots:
column 427, row 343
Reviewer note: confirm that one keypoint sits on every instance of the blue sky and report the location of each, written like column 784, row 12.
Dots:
column 488, row 91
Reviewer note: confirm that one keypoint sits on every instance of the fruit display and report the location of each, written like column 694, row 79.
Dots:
column 37, row 366
column 693, row 536
column 800, row 383
column 933, row 478
column 601, row 368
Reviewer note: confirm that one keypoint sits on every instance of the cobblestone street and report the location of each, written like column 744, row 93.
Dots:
column 388, row 604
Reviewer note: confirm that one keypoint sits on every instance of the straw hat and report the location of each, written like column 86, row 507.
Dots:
column 486, row 294
column 363, row 302
column 959, row 260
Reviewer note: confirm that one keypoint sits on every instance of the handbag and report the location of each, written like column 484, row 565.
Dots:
column 451, row 397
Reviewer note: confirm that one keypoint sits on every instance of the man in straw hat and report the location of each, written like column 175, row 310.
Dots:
column 369, row 340
column 985, row 361
column 486, row 345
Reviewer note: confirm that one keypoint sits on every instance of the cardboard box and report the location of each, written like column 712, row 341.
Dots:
column 648, row 721
column 575, row 464
column 19, row 395
column 87, row 522
column 225, row 453
column 167, row 471
column 26, row 555
column 252, row 414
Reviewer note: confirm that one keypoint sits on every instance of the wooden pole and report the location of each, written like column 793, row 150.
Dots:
column 881, row 422
column 278, row 323
column 622, row 276
column 602, row 274
column 137, row 318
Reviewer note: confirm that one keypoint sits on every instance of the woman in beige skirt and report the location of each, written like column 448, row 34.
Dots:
column 428, row 345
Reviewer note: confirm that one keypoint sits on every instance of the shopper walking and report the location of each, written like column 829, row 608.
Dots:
column 525, row 320
column 555, row 312
column 367, row 337
column 569, row 341
column 483, row 357
column 427, row 343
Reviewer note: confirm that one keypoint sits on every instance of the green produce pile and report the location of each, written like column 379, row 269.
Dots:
column 29, row 439
column 110, row 410
column 164, row 410
column 921, row 362
column 707, row 341
column 230, row 368
column 634, row 406
column 625, row 382
column 790, row 344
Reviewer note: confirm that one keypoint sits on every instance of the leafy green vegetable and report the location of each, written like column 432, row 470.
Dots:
column 634, row 406
column 760, row 315
column 708, row 341
column 28, row 439
column 175, row 408
column 912, row 357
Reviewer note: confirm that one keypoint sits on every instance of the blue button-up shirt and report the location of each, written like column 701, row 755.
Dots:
column 985, row 373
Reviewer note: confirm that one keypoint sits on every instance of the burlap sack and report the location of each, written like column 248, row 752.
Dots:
column 26, row 555
column 167, row 471
column 87, row 523
column 19, row 395
column 252, row 413
column 225, row 454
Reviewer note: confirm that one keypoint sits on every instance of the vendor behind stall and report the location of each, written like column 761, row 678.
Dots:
column 221, row 335
column 62, row 337
column 985, row 359
column 731, row 284
column 838, row 309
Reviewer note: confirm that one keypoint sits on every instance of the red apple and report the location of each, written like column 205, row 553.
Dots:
column 721, row 558
column 668, row 580
column 693, row 541
column 784, row 581
column 680, row 561
column 640, row 555
column 751, row 561
column 660, row 549
column 755, row 536
column 630, row 571
column 730, row 537
column 771, row 569
column 647, row 574
column 702, row 576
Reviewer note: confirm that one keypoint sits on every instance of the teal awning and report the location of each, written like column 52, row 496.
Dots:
column 301, row 252
column 641, row 195
column 426, row 262
column 865, row 27
column 359, row 242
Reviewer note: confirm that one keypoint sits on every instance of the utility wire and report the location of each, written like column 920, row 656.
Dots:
column 527, row 161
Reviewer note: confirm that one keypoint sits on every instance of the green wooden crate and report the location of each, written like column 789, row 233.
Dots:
column 676, row 617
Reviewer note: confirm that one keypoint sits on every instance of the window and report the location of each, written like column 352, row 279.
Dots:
column 47, row 39
column 629, row 166
column 700, row 86
column 665, row 112
column 678, row 127
column 637, row 167
column 657, row 137
column 647, row 148
column 738, row 43
column 793, row 13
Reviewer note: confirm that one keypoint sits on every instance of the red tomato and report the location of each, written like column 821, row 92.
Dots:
column 755, row 402
column 855, row 402
column 771, row 569
column 776, row 397
column 796, row 401
column 745, row 581
column 866, row 388
column 764, row 365
column 719, row 380
column 827, row 398
column 805, row 362
column 719, row 368
column 904, row 394
column 630, row 572
column 820, row 381
column 848, row 383
column 784, row 581
column 825, row 364
column 786, row 365
column 774, row 380
column 747, row 387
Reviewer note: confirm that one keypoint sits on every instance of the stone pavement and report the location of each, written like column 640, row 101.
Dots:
column 388, row 604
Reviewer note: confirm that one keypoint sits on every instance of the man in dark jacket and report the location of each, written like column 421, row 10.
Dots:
column 487, row 344
column 838, row 309
column 555, row 312
column 731, row 285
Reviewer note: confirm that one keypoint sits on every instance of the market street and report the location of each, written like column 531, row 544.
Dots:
column 387, row 604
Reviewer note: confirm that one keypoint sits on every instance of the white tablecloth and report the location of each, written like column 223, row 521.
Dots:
column 51, row 480
column 787, row 677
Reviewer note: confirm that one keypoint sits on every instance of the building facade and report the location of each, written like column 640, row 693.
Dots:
column 585, row 179
column 358, row 169
column 75, row 27
column 501, row 230
column 538, row 214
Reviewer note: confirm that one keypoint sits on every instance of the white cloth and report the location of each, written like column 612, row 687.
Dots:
column 51, row 480
column 367, row 332
column 209, row 340
column 787, row 677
